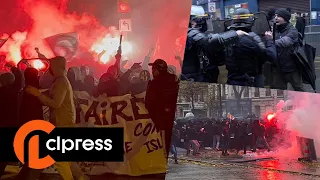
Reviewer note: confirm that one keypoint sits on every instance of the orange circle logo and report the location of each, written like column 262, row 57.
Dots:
column 34, row 161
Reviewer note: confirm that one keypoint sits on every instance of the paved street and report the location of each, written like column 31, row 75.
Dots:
column 191, row 171
column 210, row 165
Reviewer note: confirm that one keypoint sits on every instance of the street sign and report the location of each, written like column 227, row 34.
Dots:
column 125, row 25
column 212, row 7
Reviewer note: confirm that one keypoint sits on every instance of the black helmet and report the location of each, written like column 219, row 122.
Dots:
column 242, row 18
column 201, row 22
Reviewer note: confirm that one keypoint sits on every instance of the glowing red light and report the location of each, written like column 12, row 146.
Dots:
column 270, row 116
column 124, row 7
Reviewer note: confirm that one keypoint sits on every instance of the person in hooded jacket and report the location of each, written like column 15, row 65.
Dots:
column 161, row 98
column 10, row 86
column 30, row 107
column 74, row 77
column 62, row 109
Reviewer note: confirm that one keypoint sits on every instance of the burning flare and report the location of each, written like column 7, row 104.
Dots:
column 108, row 47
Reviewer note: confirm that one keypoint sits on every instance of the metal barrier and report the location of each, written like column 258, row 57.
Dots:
column 312, row 28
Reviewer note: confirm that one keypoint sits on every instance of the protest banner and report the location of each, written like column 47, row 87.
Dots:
column 143, row 143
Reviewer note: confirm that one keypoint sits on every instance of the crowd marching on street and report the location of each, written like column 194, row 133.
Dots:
column 224, row 135
column 21, row 99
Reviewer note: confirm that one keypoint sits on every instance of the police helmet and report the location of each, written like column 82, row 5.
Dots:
column 242, row 18
column 201, row 22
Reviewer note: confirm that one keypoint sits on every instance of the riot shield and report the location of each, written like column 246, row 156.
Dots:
column 218, row 26
column 209, row 25
column 261, row 24
column 227, row 24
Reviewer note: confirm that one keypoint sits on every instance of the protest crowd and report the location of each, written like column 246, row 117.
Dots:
column 226, row 135
column 24, row 92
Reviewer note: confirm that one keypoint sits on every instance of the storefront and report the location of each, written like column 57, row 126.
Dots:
column 315, row 12
column 211, row 7
column 230, row 6
column 296, row 6
column 302, row 6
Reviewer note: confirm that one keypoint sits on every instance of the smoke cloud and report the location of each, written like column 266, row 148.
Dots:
column 302, row 120
column 153, row 22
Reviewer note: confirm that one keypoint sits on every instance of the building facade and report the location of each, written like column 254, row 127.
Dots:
column 258, row 101
column 208, row 102
column 225, row 8
column 197, row 105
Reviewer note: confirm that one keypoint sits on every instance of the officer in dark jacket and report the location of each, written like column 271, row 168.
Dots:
column 161, row 99
column 286, row 40
column 242, row 137
column 246, row 57
column 204, row 53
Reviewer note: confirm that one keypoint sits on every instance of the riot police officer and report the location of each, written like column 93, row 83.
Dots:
column 246, row 57
column 204, row 52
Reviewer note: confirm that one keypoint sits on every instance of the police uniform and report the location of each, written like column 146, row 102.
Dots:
column 203, row 53
column 245, row 58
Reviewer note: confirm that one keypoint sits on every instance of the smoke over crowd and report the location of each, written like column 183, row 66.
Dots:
column 160, row 25
column 301, row 120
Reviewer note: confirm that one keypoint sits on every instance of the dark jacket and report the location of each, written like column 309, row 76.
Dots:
column 175, row 138
column 9, row 100
column 195, row 40
column 226, row 132
column 30, row 108
column 241, row 130
column 161, row 99
column 248, row 57
column 192, row 134
column 287, row 40
column 301, row 25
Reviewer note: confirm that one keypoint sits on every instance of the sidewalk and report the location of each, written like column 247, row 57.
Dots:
column 260, row 160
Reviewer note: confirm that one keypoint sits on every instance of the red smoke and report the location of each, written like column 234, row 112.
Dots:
column 164, row 20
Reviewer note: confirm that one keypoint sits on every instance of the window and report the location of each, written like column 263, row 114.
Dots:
column 196, row 97
column 279, row 92
column 256, row 92
column 257, row 110
column 268, row 92
column 202, row 96
column 229, row 10
column 246, row 92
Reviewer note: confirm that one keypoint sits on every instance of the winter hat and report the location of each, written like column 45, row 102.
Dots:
column 284, row 14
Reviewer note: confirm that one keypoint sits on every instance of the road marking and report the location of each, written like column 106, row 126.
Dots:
column 221, row 164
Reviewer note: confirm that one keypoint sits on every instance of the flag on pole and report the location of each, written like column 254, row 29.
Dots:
column 65, row 44
column 2, row 42
column 157, row 48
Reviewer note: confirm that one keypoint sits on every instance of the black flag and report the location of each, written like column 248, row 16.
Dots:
column 65, row 44
column 2, row 42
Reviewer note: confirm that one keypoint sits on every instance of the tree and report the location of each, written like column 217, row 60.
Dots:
column 212, row 99
column 189, row 90
column 238, row 90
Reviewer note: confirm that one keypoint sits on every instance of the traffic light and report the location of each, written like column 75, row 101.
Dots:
column 124, row 6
